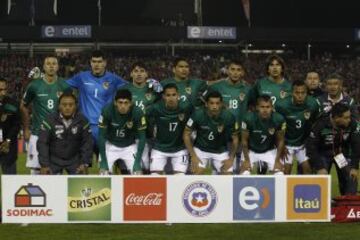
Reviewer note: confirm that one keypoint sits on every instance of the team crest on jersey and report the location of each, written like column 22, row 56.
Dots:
column 3, row 117
column 188, row 90
column 74, row 130
column 220, row 128
column 59, row 130
column 346, row 136
column 307, row 115
column 129, row 124
column 242, row 96
column 59, row 93
column 148, row 96
column 271, row 131
column 282, row 94
column 181, row 116
column 106, row 85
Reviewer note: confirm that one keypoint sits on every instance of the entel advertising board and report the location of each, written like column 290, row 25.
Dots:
column 164, row 199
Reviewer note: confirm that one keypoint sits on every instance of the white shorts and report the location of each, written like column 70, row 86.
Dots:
column 216, row 159
column 296, row 152
column 145, row 159
column 179, row 160
column 114, row 153
column 32, row 155
column 268, row 157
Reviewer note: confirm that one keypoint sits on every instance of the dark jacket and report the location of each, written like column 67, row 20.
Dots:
column 326, row 141
column 326, row 104
column 10, row 122
column 63, row 145
column 317, row 92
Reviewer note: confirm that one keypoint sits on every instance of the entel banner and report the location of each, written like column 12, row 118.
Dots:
column 197, row 32
column 161, row 199
column 70, row 31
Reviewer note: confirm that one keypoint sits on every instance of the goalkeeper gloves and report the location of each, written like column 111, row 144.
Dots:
column 35, row 73
column 155, row 85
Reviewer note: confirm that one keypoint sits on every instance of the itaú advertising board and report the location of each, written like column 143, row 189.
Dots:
column 162, row 199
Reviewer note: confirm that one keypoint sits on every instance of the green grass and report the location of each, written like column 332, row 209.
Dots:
column 237, row 231
column 278, row 231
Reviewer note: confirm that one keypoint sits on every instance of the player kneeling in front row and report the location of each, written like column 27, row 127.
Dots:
column 119, row 125
column 65, row 141
column 215, row 127
column 262, row 137
column 167, row 118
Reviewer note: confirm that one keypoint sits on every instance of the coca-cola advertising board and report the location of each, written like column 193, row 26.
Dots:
column 144, row 199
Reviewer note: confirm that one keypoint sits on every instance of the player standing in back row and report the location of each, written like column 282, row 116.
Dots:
column 96, row 89
column 189, row 89
column 274, row 84
column 235, row 93
column 43, row 93
column 143, row 95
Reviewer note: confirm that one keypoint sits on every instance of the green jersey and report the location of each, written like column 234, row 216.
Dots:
column 141, row 96
column 262, row 132
column 44, row 97
column 121, row 129
column 213, row 133
column 266, row 86
column 235, row 96
column 190, row 89
column 299, row 119
column 168, row 125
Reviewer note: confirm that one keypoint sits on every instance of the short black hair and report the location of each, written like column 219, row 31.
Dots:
column 123, row 94
column 236, row 61
column 169, row 86
column 213, row 94
column 50, row 56
column 264, row 98
column 279, row 59
column 138, row 64
column 3, row 79
column 339, row 109
column 98, row 54
column 334, row 76
column 68, row 94
column 313, row 71
column 179, row 59
column 298, row 83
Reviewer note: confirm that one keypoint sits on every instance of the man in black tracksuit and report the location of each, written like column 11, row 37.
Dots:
column 312, row 81
column 336, row 136
column 9, row 129
column 65, row 141
column 334, row 94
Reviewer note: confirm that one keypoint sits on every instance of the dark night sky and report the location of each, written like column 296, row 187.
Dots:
column 265, row 13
